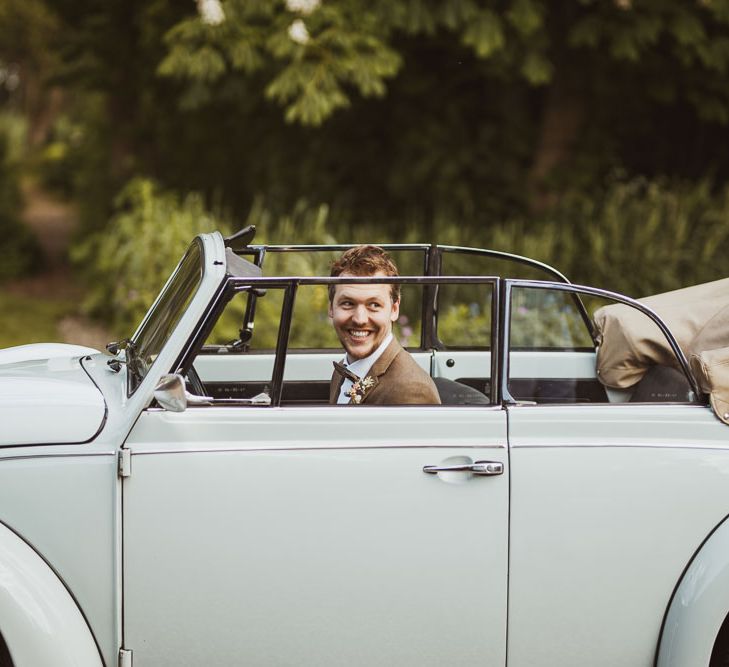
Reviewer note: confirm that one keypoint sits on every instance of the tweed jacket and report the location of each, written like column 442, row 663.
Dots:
column 398, row 380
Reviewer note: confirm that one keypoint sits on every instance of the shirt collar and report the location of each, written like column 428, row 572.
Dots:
column 361, row 367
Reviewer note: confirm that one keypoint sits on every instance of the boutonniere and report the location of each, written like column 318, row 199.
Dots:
column 359, row 389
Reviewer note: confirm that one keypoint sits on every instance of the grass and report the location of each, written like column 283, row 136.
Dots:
column 25, row 320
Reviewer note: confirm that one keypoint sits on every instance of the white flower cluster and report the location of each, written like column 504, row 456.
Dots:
column 298, row 32
column 211, row 11
column 304, row 7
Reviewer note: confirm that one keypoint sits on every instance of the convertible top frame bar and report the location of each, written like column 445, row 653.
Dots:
column 432, row 266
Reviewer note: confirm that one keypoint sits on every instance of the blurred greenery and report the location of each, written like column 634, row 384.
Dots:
column 677, row 235
column 33, row 320
column 19, row 251
column 588, row 135
column 391, row 112
column 126, row 266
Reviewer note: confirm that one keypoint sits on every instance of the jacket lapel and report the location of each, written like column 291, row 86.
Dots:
column 335, row 387
column 381, row 365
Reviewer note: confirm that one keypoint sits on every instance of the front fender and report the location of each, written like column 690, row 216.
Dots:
column 39, row 620
column 699, row 605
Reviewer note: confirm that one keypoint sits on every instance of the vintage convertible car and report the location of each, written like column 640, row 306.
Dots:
column 190, row 498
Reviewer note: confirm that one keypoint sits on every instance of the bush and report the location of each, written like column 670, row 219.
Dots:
column 19, row 250
column 127, row 264
column 641, row 237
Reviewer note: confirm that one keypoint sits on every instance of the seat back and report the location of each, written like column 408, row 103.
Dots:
column 456, row 393
column 662, row 384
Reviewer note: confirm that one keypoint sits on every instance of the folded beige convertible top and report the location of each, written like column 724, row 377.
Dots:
column 697, row 316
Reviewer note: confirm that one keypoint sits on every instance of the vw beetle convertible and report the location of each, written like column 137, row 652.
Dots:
column 189, row 497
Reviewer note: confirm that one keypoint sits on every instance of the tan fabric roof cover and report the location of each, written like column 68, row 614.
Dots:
column 697, row 316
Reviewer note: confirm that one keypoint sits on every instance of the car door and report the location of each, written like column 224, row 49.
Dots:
column 297, row 536
column 610, row 497
column 311, row 534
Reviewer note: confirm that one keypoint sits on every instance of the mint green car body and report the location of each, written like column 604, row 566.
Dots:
column 307, row 534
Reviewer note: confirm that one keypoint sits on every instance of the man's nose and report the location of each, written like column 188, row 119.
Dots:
column 359, row 316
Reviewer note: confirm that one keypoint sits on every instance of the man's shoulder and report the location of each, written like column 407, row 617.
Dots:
column 404, row 361
column 404, row 370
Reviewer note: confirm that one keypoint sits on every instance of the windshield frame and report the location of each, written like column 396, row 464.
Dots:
column 165, row 314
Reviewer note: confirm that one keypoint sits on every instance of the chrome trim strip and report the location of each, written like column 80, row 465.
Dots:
column 693, row 448
column 54, row 456
column 607, row 404
column 219, row 450
column 217, row 403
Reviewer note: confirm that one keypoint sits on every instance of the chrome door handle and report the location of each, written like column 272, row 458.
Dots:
column 477, row 468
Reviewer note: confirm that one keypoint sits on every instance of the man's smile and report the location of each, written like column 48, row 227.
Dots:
column 359, row 333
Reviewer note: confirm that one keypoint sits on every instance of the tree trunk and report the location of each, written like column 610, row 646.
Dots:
column 560, row 126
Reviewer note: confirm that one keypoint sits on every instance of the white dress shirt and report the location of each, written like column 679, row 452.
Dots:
column 360, row 368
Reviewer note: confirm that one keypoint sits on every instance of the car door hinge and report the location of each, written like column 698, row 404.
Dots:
column 125, row 657
column 125, row 462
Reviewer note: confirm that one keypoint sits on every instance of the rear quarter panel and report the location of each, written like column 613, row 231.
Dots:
column 609, row 505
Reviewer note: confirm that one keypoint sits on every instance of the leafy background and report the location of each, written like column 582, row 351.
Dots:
column 589, row 134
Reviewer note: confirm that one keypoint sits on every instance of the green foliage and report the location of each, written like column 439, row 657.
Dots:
column 324, row 52
column 25, row 29
column 462, row 325
column 312, row 51
column 310, row 328
column 388, row 110
column 676, row 233
column 33, row 320
column 19, row 251
column 641, row 237
column 545, row 318
column 60, row 161
column 484, row 34
column 127, row 264
column 14, row 131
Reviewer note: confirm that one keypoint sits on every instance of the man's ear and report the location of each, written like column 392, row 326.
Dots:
column 395, row 310
column 330, row 312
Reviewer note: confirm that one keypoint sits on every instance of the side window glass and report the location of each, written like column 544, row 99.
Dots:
column 547, row 319
column 462, row 365
column 464, row 311
column 464, row 316
column 553, row 359
column 233, row 370
column 310, row 325
column 314, row 343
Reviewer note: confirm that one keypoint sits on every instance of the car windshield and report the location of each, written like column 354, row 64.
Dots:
column 164, row 315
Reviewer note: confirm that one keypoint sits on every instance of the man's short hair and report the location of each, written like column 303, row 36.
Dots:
column 365, row 260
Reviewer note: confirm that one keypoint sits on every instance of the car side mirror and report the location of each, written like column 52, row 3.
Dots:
column 171, row 394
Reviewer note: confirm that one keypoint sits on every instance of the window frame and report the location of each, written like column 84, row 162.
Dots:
column 235, row 285
column 507, row 287
column 198, row 247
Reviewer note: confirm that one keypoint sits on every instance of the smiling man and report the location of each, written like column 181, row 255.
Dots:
column 376, row 370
